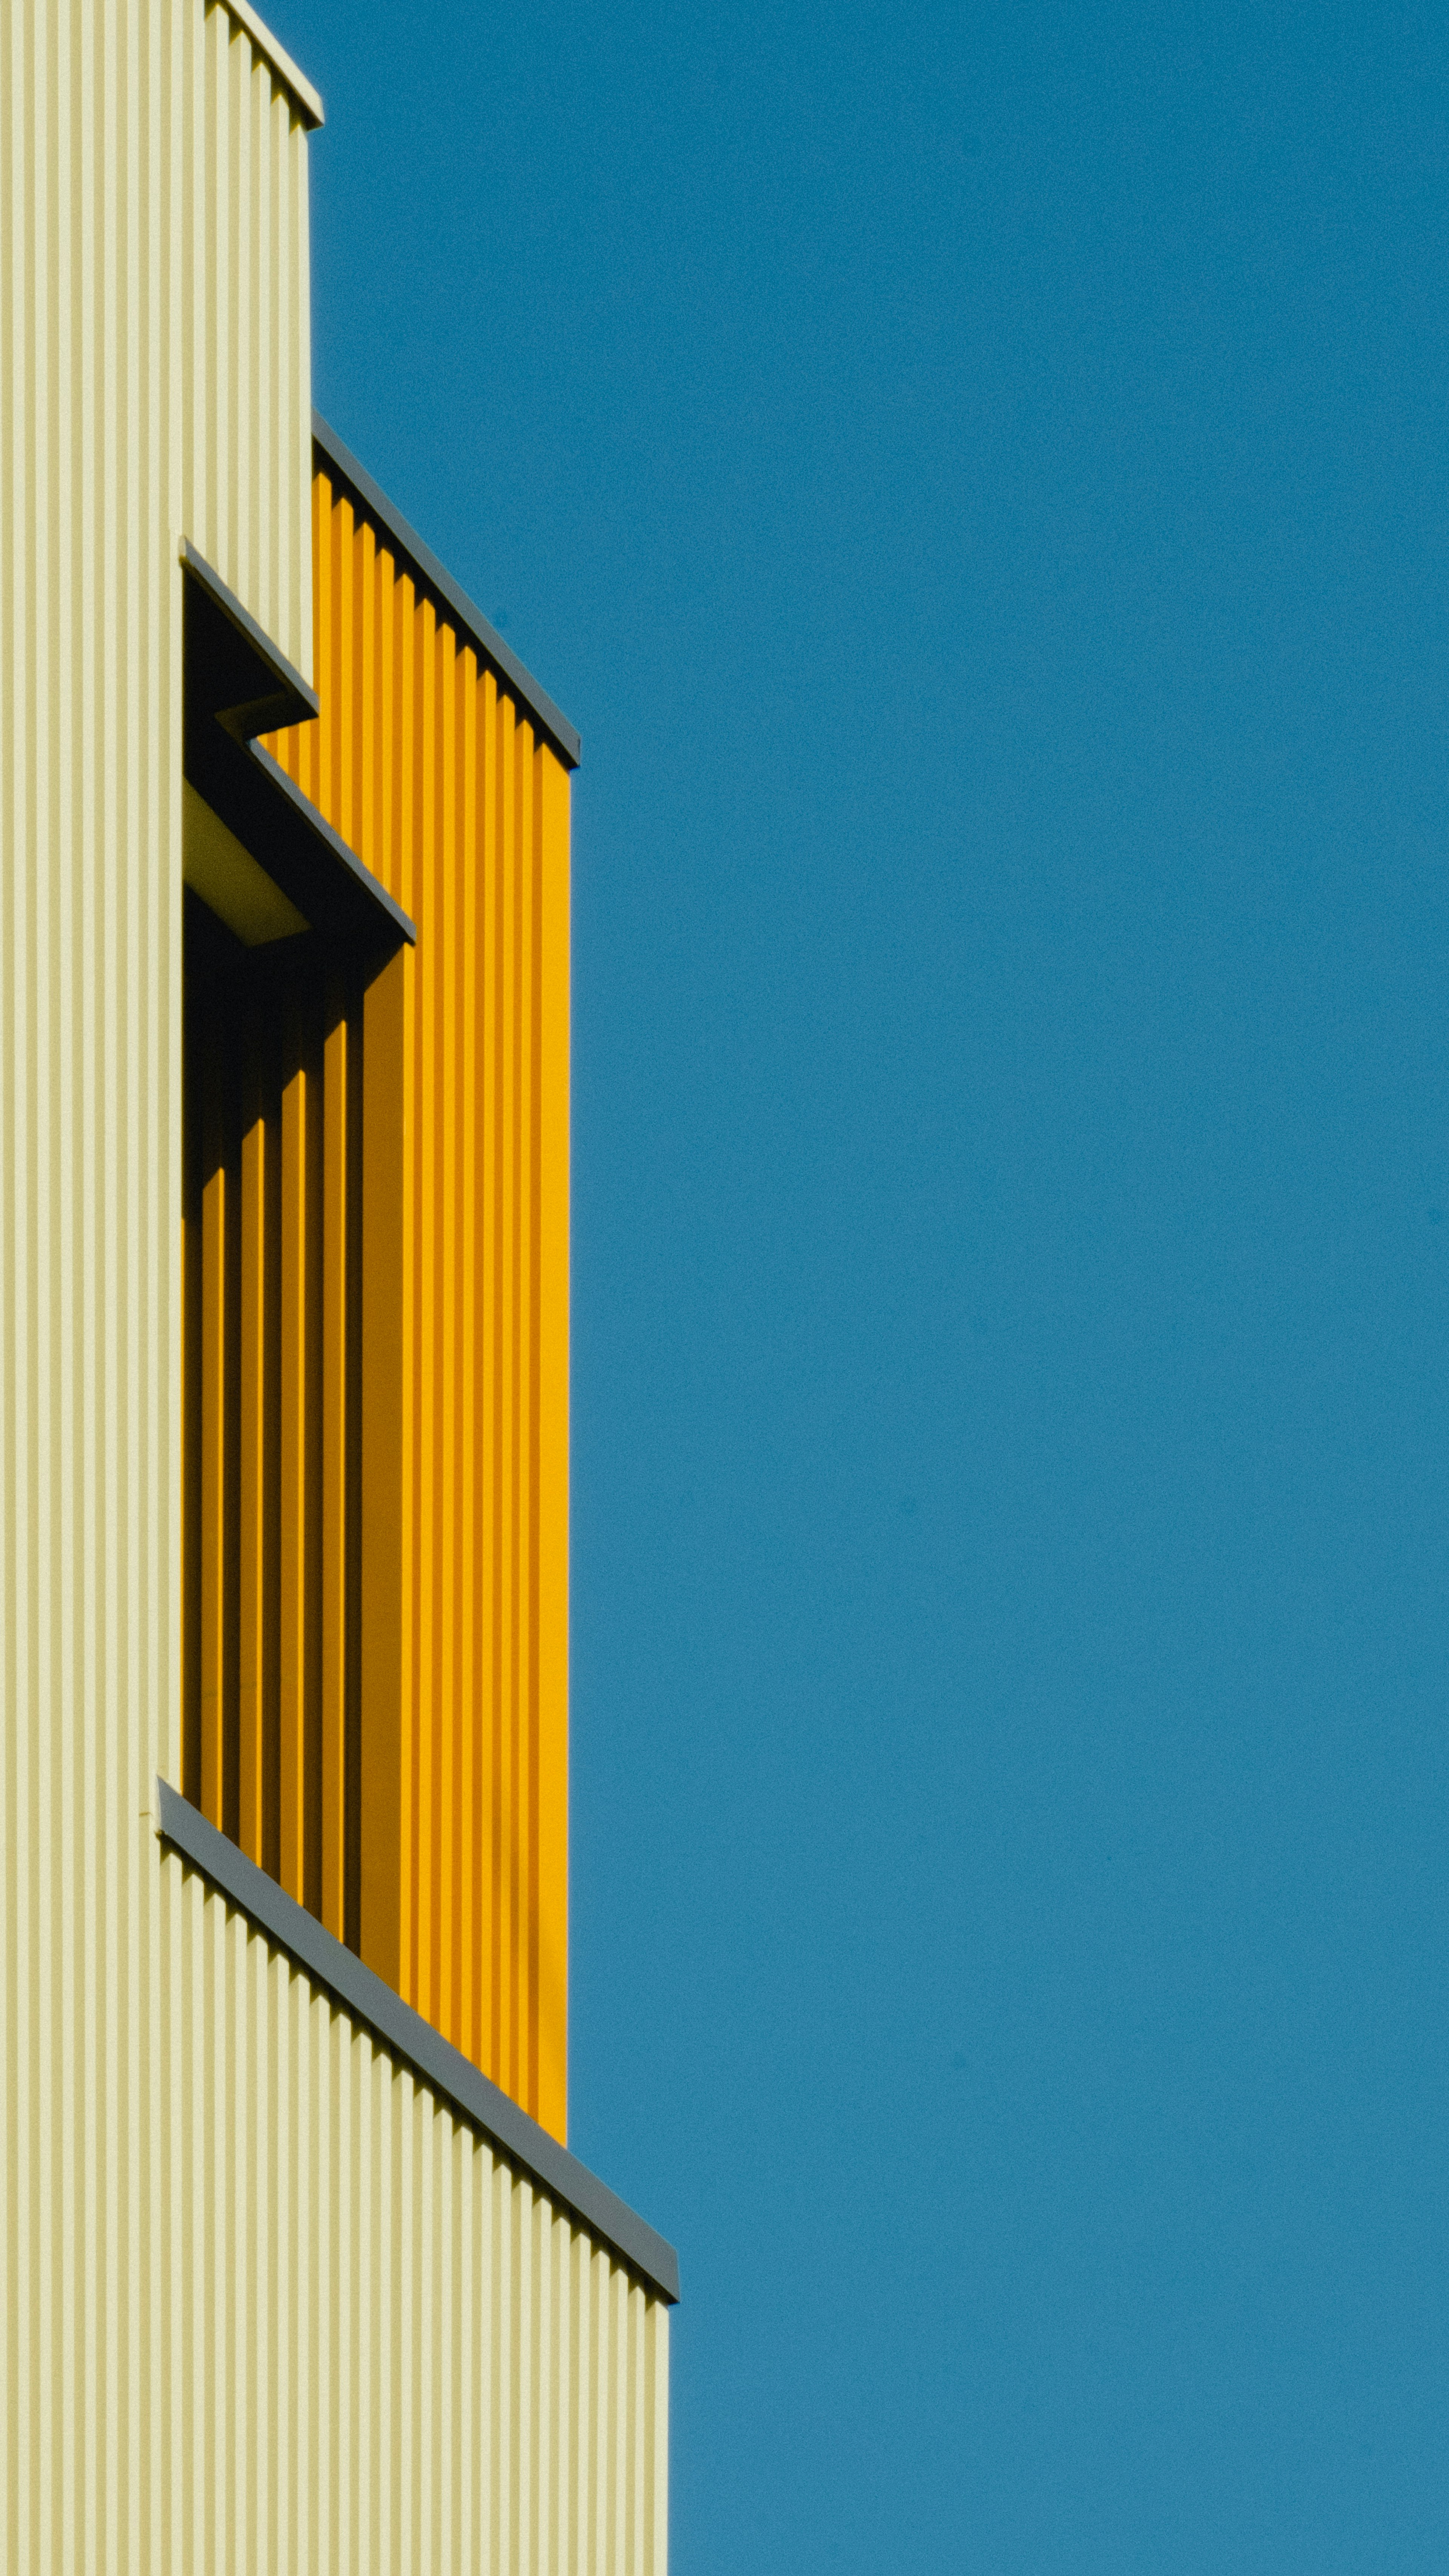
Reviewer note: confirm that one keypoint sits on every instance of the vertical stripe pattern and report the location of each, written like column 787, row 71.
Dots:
column 264, row 2303
column 425, row 764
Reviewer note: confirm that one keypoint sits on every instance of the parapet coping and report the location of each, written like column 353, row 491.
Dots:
column 445, row 593
column 304, row 97
column 405, row 2034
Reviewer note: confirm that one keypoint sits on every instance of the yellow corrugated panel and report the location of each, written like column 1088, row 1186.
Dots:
column 264, row 2304
column 425, row 763
column 272, row 1287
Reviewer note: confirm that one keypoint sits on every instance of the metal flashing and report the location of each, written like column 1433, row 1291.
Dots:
column 315, row 822
column 527, row 2147
column 291, row 700
column 237, row 686
column 305, row 98
column 447, row 594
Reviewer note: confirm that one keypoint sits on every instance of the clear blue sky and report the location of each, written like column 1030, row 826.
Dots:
column 979, row 480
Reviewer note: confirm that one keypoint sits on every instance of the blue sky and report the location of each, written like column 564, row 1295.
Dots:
column 977, row 479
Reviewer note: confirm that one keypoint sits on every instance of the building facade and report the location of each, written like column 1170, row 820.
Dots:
column 296, row 2270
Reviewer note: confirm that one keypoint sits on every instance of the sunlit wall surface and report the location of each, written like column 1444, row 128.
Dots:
column 265, row 2300
column 438, row 779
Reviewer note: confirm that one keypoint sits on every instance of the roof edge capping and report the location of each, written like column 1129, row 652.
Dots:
column 305, row 98
column 404, row 2033
column 303, row 704
column 449, row 594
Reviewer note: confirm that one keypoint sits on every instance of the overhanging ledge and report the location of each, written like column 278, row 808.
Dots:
column 527, row 2147
column 237, row 686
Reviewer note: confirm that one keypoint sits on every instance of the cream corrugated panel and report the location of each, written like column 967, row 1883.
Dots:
column 385, row 2351
column 263, row 2302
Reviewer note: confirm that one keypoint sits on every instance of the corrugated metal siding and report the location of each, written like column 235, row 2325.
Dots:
column 262, row 2303
column 435, row 2369
column 428, row 768
column 273, row 1289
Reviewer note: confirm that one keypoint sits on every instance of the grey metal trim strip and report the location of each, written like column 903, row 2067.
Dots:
column 527, row 2147
column 448, row 595
column 285, row 673
column 317, row 823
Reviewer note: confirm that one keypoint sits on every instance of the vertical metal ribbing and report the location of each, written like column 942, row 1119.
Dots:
column 423, row 1711
column 301, row 1607
column 244, row 1355
column 332, row 1554
column 551, row 1562
column 488, row 1828
column 505, row 1528
column 445, row 1907
column 210, row 2188
column 430, row 769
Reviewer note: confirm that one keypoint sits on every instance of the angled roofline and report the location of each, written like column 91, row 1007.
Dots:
column 322, row 1957
column 305, row 98
column 242, row 782
column 295, row 700
column 445, row 593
